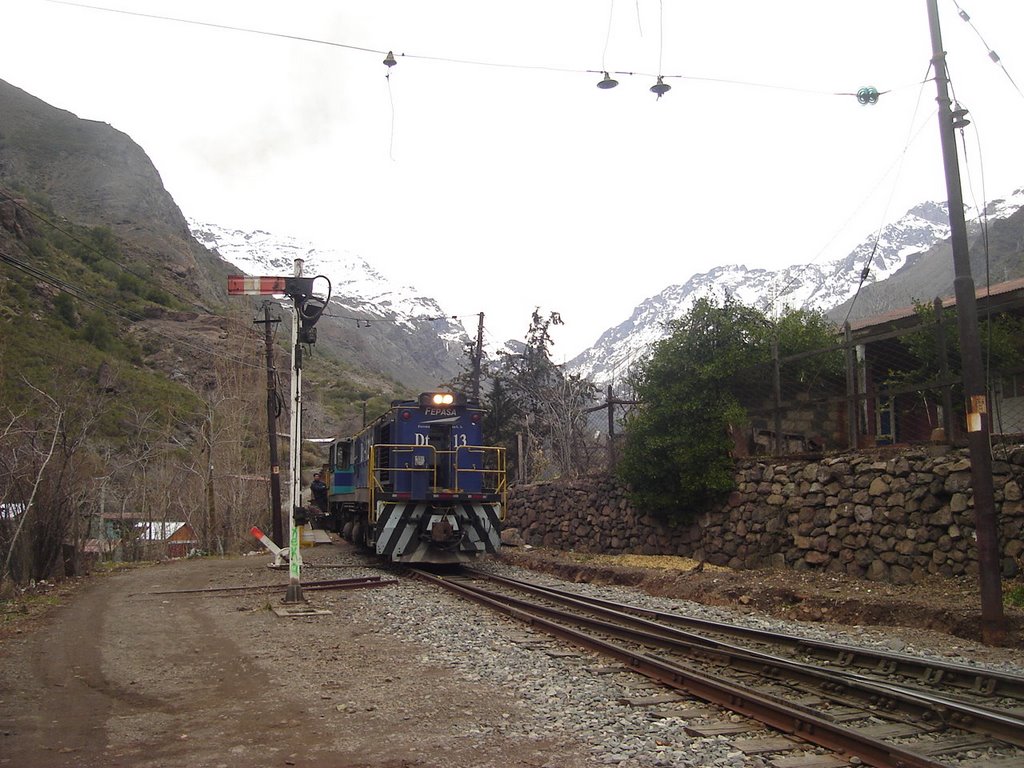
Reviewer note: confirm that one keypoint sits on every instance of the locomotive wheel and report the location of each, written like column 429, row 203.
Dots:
column 358, row 533
column 346, row 531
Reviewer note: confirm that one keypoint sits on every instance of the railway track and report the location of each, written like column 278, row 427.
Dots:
column 879, row 708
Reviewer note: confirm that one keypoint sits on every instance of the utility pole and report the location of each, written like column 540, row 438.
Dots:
column 306, row 311
column 478, row 355
column 212, row 528
column 275, row 469
column 993, row 621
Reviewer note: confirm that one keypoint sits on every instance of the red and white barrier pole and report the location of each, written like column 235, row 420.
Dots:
column 265, row 540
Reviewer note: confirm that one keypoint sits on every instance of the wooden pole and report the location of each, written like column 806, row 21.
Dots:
column 993, row 621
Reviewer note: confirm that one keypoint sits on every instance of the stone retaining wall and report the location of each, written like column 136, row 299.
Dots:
column 886, row 517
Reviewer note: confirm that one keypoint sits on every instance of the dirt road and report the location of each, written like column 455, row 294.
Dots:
column 123, row 677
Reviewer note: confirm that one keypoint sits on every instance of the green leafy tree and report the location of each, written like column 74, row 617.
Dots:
column 693, row 387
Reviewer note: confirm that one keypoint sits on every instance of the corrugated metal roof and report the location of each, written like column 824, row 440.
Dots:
column 986, row 295
column 160, row 531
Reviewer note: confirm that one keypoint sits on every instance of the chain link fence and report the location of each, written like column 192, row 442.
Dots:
column 886, row 381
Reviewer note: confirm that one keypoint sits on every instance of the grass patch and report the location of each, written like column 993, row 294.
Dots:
column 1014, row 596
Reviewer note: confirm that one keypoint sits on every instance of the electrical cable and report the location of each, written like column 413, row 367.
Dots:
column 103, row 255
column 229, row 27
column 391, row 101
column 982, row 210
column 74, row 238
column 865, row 271
column 106, row 307
column 661, row 34
column 896, row 165
column 608, row 34
column 439, row 59
column 991, row 54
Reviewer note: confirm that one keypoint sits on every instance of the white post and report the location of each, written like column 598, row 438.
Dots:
column 294, row 593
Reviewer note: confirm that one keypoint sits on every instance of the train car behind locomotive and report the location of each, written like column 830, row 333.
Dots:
column 417, row 485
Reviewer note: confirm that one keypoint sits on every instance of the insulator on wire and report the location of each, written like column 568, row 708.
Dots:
column 994, row 56
column 868, row 95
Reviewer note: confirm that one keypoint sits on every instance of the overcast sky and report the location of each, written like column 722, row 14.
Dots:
column 491, row 173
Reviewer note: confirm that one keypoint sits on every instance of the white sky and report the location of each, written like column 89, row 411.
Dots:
column 498, row 189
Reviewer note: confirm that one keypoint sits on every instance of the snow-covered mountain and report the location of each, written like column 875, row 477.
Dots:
column 355, row 285
column 807, row 286
column 408, row 334
column 432, row 349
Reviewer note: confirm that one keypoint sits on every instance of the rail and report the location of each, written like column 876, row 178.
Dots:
column 884, row 724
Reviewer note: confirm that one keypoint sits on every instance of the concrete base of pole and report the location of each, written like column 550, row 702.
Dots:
column 294, row 594
column 299, row 609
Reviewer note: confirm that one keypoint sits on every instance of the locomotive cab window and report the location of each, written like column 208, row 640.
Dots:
column 341, row 454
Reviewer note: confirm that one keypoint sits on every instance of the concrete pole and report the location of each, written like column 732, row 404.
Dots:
column 294, row 593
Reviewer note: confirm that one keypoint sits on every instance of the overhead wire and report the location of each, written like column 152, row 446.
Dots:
column 608, row 34
column 214, row 25
column 445, row 59
column 478, row 62
column 102, row 254
column 982, row 211
column 661, row 34
column 81, row 294
column 991, row 53
column 866, row 269
column 70, row 235
column 896, row 164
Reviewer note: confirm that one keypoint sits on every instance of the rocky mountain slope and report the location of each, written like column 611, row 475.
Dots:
column 370, row 321
column 90, row 174
column 58, row 171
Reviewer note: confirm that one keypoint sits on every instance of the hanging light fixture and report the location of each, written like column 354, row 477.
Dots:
column 607, row 82
column 661, row 87
column 389, row 60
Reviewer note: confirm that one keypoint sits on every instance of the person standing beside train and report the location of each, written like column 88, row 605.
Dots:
column 319, row 490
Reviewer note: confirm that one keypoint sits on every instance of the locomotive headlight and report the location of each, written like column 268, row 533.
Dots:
column 441, row 399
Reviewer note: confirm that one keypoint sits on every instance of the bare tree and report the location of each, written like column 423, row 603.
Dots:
column 43, row 464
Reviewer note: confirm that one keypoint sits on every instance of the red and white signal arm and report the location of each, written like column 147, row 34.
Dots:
column 239, row 285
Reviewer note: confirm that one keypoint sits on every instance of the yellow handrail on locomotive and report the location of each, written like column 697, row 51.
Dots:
column 500, row 485
column 375, row 472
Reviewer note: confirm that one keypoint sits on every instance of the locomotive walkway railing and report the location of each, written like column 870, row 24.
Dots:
column 386, row 465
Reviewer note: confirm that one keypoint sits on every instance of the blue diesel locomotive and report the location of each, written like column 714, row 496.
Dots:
column 417, row 485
